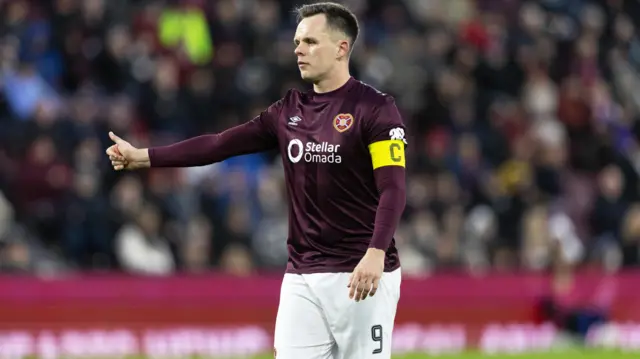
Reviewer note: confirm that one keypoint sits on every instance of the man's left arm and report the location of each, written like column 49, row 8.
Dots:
column 387, row 145
column 385, row 136
column 390, row 181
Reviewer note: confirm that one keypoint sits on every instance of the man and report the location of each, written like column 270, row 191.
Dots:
column 343, row 149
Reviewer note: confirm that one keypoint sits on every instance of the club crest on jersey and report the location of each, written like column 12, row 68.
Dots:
column 343, row 122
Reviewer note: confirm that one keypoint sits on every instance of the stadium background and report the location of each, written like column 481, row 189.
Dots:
column 522, row 221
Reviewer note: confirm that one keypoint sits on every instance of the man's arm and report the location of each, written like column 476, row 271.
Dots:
column 259, row 134
column 387, row 148
column 385, row 136
column 365, row 279
column 390, row 181
column 247, row 138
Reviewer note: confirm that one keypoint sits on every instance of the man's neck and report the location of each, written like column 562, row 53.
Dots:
column 332, row 83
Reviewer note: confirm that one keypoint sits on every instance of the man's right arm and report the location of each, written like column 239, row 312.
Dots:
column 257, row 135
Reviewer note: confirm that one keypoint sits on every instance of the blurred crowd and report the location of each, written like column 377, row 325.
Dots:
column 522, row 117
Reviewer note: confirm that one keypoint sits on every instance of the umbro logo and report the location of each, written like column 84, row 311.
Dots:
column 293, row 121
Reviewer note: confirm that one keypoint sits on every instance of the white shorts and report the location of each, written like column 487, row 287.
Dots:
column 317, row 320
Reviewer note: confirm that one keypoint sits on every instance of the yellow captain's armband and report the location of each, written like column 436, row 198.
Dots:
column 387, row 153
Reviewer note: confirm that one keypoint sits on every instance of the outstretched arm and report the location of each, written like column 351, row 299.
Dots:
column 202, row 150
column 256, row 135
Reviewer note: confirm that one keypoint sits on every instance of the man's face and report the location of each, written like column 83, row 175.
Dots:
column 318, row 48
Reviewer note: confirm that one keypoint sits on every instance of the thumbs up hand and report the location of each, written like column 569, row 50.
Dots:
column 124, row 156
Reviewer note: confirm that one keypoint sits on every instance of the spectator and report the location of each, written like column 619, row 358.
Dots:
column 6, row 216
column 610, row 207
column 631, row 237
column 195, row 248
column 41, row 183
column 86, row 239
column 236, row 260
column 25, row 90
column 140, row 247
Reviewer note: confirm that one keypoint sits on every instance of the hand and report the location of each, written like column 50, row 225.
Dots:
column 124, row 156
column 366, row 276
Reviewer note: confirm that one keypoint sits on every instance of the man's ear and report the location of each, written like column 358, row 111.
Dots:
column 344, row 47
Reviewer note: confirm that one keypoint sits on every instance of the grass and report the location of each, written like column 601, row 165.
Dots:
column 575, row 355
column 514, row 356
column 561, row 354
column 564, row 354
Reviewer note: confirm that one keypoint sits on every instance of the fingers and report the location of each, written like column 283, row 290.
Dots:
column 114, row 153
column 119, row 165
column 111, row 151
column 374, row 286
column 117, row 160
column 352, row 285
column 362, row 286
column 363, row 289
column 115, row 138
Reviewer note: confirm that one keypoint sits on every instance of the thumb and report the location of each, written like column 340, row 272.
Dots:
column 116, row 139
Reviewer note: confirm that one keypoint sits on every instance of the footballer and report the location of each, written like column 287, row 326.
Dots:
column 343, row 149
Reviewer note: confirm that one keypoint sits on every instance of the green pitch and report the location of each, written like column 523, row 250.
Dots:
column 577, row 354
column 553, row 355
column 564, row 354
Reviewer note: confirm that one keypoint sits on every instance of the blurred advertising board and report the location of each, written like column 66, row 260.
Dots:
column 213, row 315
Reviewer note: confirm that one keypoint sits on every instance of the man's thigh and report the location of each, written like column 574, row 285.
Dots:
column 301, row 327
column 362, row 329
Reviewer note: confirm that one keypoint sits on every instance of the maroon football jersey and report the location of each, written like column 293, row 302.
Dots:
column 325, row 141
